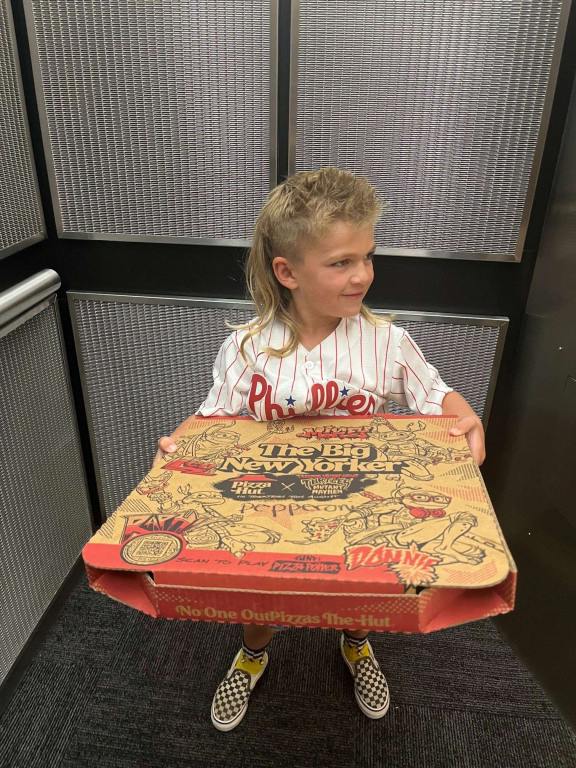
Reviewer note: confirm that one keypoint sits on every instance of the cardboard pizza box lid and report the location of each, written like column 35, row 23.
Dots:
column 333, row 505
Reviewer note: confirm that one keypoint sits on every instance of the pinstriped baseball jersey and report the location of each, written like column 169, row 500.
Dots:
column 353, row 371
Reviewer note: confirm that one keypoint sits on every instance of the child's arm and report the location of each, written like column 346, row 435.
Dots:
column 468, row 424
column 423, row 390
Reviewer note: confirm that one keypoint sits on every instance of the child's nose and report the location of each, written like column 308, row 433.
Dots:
column 362, row 273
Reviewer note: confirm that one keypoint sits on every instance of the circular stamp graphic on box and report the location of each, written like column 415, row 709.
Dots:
column 151, row 548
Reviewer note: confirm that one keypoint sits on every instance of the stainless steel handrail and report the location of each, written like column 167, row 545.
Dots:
column 17, row 302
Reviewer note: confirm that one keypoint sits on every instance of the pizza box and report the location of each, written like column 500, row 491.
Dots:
column 380, row 523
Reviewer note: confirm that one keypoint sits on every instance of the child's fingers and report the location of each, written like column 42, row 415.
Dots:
column 464, row 425
column 471, row 426
column 167, row 445
column 476, row 445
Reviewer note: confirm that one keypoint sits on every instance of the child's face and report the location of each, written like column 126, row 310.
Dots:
column 332, row 275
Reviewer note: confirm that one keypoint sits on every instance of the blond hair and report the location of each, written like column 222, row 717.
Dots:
column 301, row 208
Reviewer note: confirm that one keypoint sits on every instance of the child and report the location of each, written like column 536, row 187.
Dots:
column 314, row 348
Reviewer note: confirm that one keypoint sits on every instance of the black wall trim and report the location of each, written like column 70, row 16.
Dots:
column 284, row 39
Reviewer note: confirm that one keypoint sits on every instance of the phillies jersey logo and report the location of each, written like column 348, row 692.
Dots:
column 323, row 395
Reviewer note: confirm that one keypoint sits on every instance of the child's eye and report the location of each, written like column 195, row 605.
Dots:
column 341, row 263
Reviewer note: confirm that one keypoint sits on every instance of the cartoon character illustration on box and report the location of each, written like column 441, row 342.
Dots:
column 152, row 484
column 408, row 517
column 379, row 514
column 166, row 504
column 198, row 454
column 220, row 440
column 212, row 530
column 214, row 441
column 192, row 504
column 420, row 517
column 402, row 444
column 193, row 520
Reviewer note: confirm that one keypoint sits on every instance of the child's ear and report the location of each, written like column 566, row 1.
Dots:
column 284, row 273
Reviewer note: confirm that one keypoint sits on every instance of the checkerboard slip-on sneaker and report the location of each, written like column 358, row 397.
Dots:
column 230, row 702
column 370, row 686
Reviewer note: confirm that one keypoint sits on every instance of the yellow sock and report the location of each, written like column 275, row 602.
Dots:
column 355, row 652
column 248, row 665
column 250, row 661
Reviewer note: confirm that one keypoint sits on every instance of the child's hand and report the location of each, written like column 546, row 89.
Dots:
column 166, row 445
column 471, row 426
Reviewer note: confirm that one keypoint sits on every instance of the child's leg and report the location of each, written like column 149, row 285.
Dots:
column 230, row 702
column 256, row 637
column 370, row 686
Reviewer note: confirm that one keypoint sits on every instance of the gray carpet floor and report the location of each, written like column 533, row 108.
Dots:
column 111, row 688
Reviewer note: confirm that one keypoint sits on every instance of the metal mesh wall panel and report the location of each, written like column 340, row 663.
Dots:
column 440, row 104
column 44, row 507
column 21, row 220
column 157, row 114
column 147, row 366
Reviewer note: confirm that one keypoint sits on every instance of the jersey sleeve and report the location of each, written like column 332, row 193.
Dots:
column 232, row 375
column 418, row 384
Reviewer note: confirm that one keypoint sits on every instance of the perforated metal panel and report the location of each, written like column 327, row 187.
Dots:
column 156, row 115
column 21, row 219
column 147, row 365
column 443, row 105
column 44, row 507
